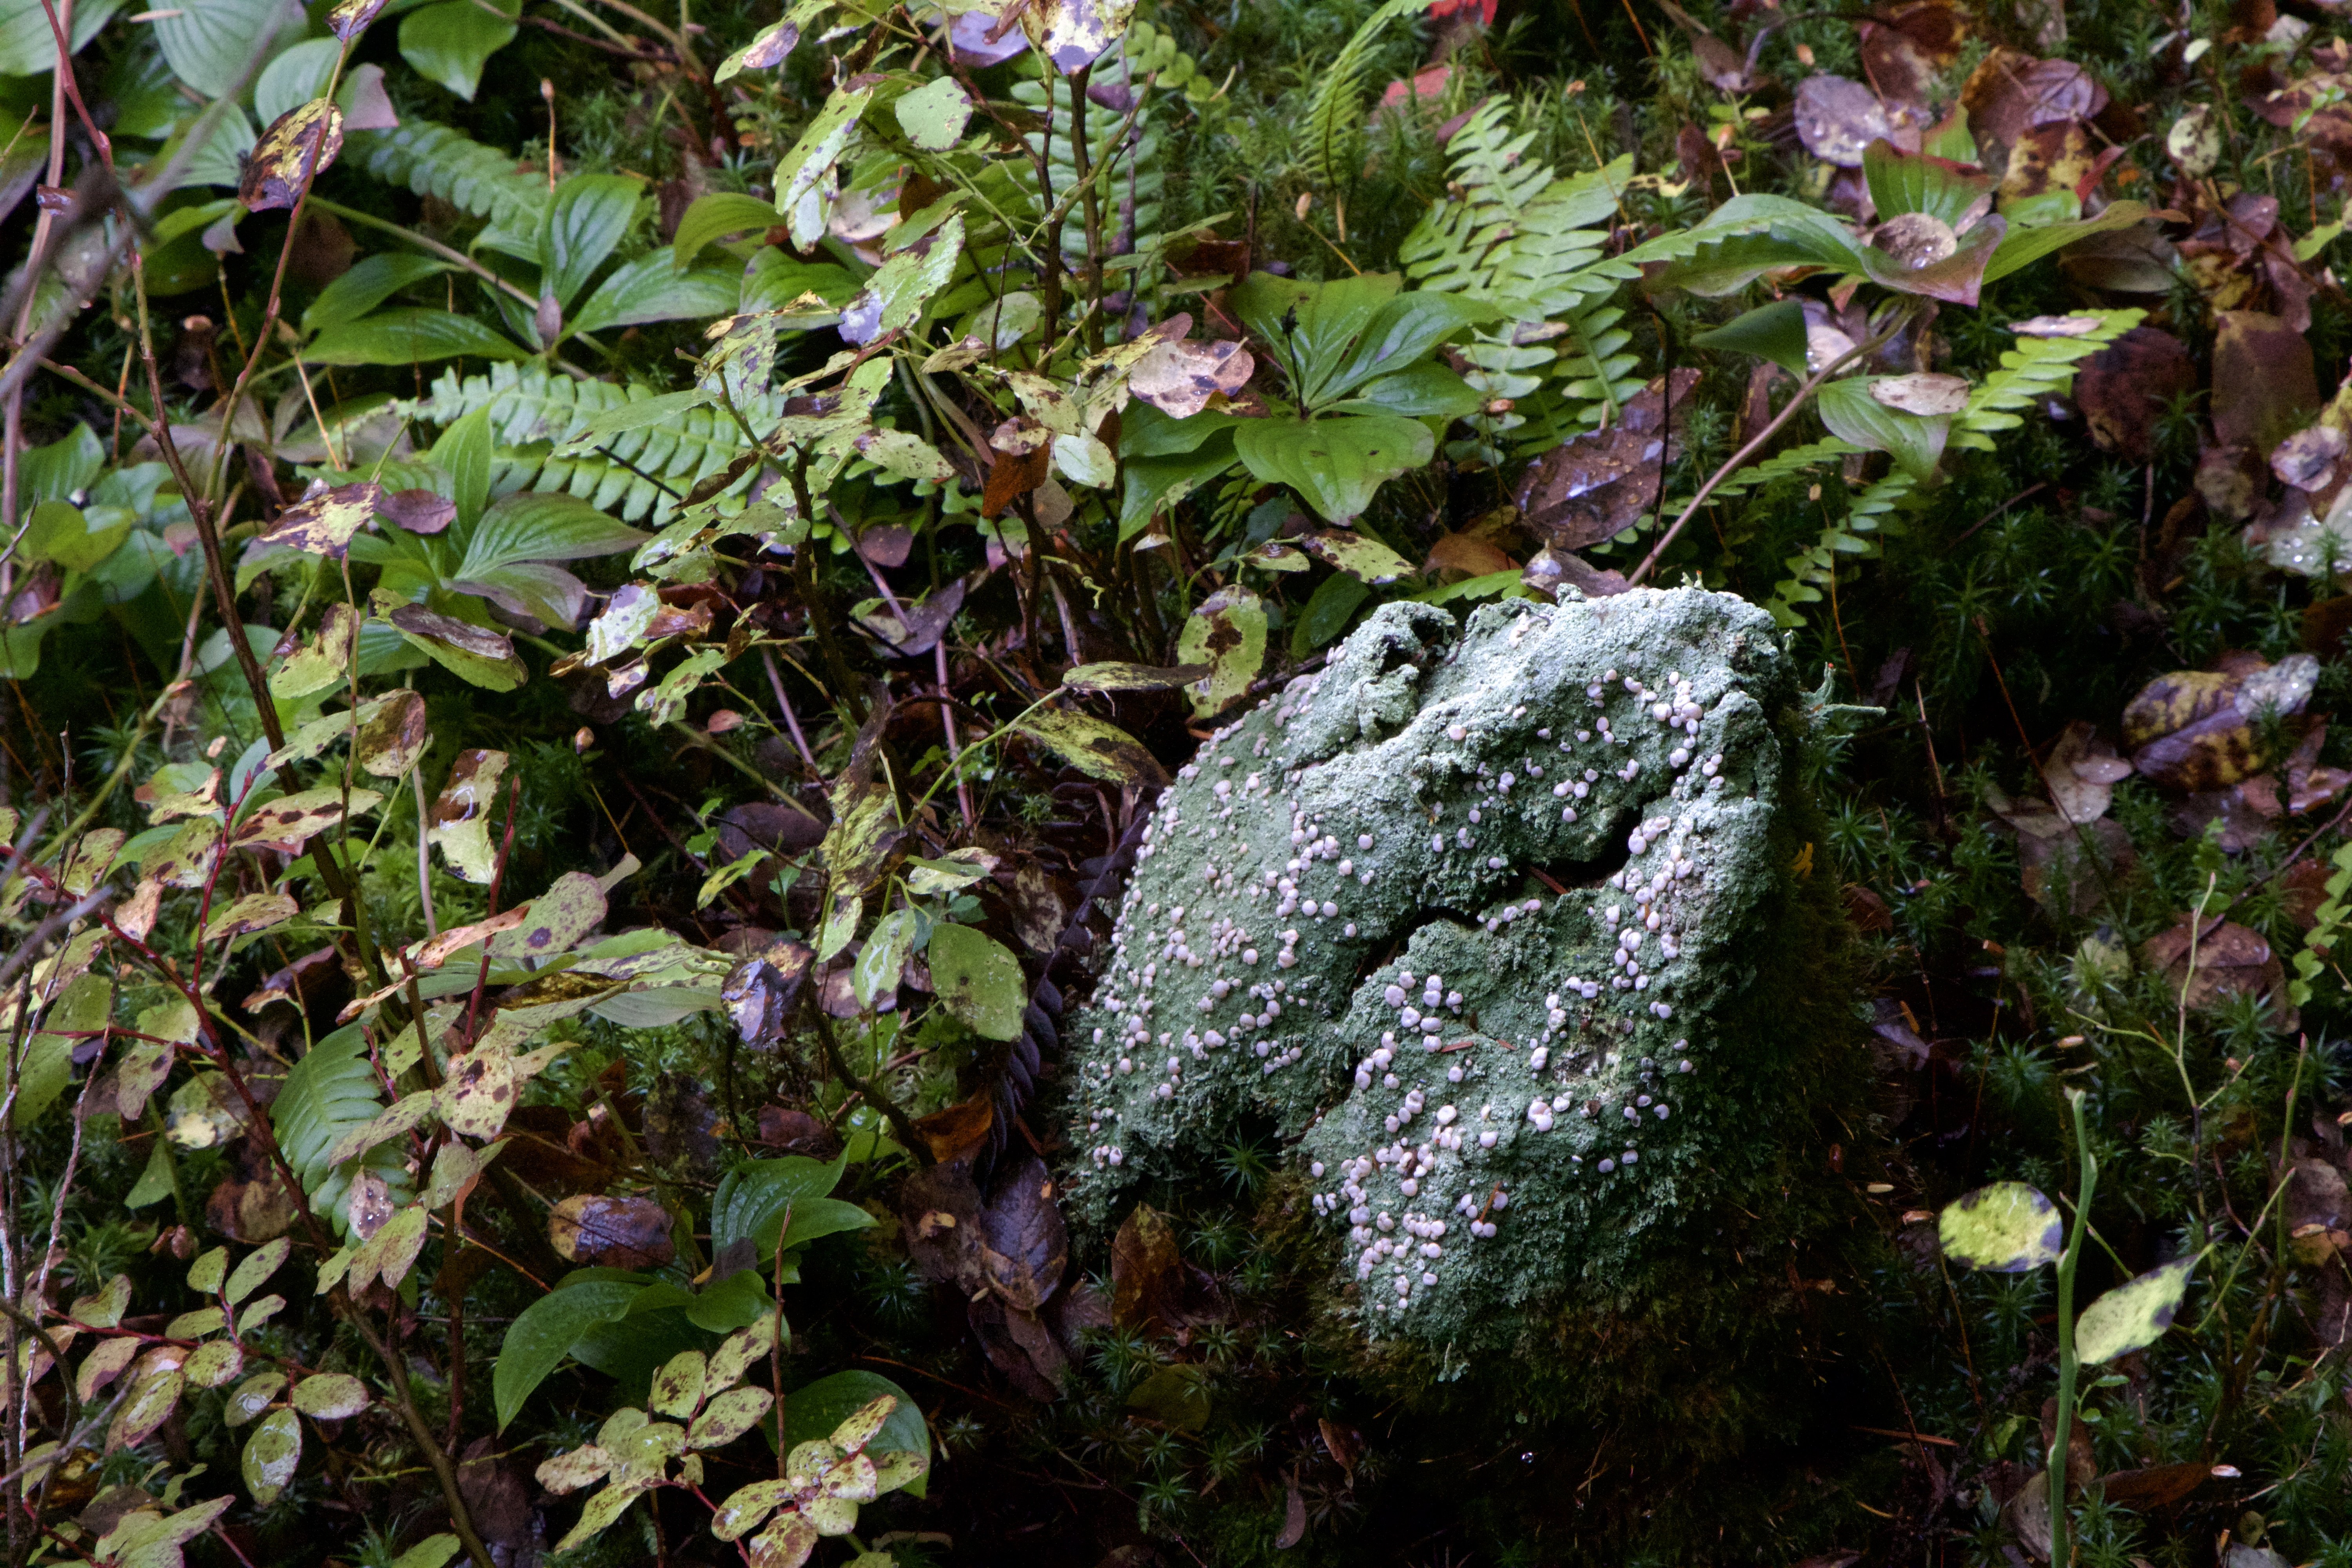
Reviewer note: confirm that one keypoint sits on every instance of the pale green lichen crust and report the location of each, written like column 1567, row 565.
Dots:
column 1475, row 917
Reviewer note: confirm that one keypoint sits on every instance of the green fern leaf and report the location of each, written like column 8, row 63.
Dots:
column 639, row 474
column 1335, row 114
column 1513, row 233
column 2036, row 368
column 328, row 1093
column 435, row 161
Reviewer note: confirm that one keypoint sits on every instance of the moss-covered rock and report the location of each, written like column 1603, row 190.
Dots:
column 1498, row 925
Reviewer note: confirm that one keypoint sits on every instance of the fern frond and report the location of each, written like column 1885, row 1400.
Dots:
column 435, row 161
column 1810, row 569
column 2036, row 368
column 1786, row 465
column 1335, row 113
column 1530, row 242
column 1130, row 189
column 331, row 1091
column 640, row 473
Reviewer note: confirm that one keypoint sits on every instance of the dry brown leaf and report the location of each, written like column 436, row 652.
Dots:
column 1596, row 486
column 2126, row 387
column 1837, row 117
column 611, row 1232
column 2082, row 773
column 2230, row 960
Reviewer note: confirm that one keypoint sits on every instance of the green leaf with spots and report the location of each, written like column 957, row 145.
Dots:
column 884, row 956
column 272, row 1455
column 933, row 116
column 1096, row 747
column 2134, row 1316
column 979, row 980
column 865, row 833
column 2007, row 1228
column 1227, row 633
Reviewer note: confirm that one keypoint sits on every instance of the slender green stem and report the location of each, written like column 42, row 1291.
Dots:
column 2069, row 1364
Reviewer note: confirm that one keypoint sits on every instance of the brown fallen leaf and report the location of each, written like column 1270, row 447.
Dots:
column 2081, row 773
column 2317, row 1195
column 2264, row 388
column 2197, row 730
column 1013, row 475
column 1294, row 1520
column 2308, row 783
column 1153, row 1289
column 1598, row 485
column 955, row 1132
column 2230, row 960
column 1837, row 117
column 1469, row 555
column 1024, row 1248
column 2125, row 388
column 2306, row 460
column 612, row 1233
column 2012, row 92
column 1178, row 378
column 2155, row 1487
column 1907, row 47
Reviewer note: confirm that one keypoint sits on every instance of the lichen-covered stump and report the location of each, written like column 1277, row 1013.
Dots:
column 1504, row 927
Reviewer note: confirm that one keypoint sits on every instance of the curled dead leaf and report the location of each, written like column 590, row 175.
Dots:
column 297, row 148
column 1925, row 392
column 1837, row 117
column 612, row 1233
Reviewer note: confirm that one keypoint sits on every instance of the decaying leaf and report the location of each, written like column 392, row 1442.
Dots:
column 2081, row 773
column 1180, row 378
column 323, row 660
column 1132, row 676
column 293, row 819
column 611, row 1232
column 297, row 148
column 2200, row 730
column 461, row 822
column 323, row 521
column 1925, row 392
column 1153, row 1289
column 2264, row 385
column 1073, row 34
column 1837, row 117
column 392, row 734
column 475, row 654
column 1598, row 485
column 2007, row 1228
column 2126, row 387
column 553, row 923
column 349, row 19
column 1227, row 633
column 2228, row 959
column 1095, row 747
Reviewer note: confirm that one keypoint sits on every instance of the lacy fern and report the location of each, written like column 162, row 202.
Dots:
column 1515, row 234
column 1811, row 568
column 331, row 1091
column 1333, row 135
column 2036, row 367
column 640, row 473
column 435, row 161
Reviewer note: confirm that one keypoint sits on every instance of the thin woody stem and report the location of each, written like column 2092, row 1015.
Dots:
column 1739, row 458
